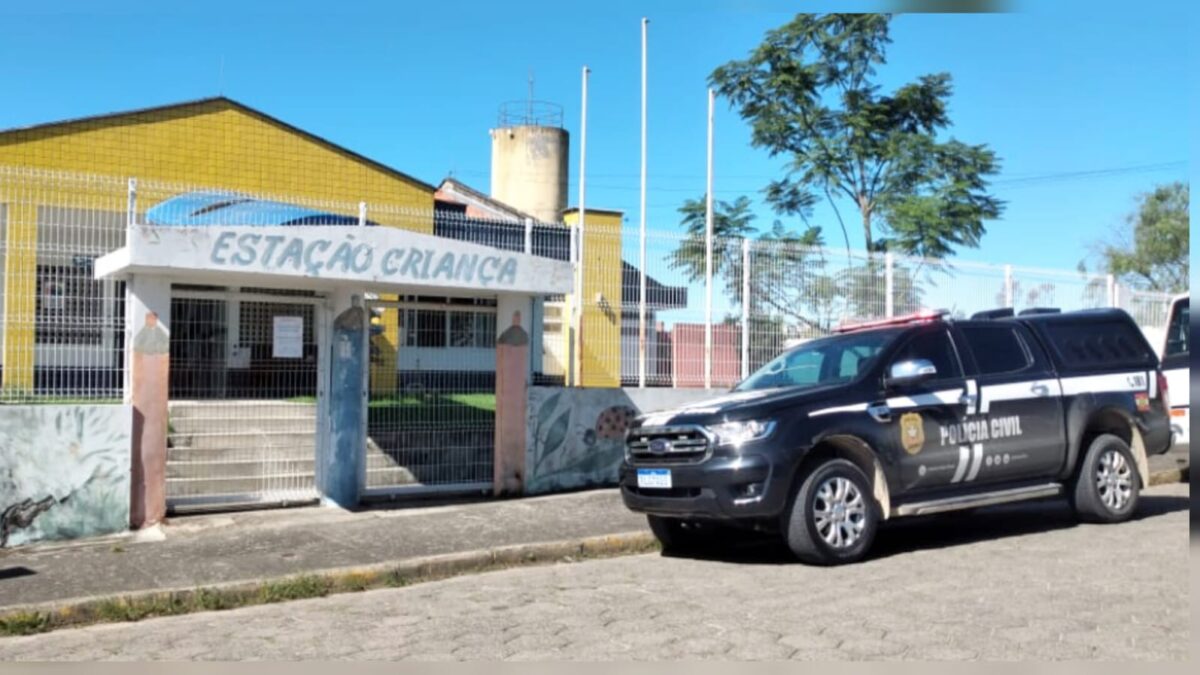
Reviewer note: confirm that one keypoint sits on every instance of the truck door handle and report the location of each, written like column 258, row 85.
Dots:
column 880, row 411
column 1040, row 389
column 968, row 400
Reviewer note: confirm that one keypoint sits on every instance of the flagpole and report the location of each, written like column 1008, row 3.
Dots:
column 642, row 230
column 708, row 252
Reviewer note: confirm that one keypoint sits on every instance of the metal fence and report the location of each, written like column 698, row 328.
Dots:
column 63, row 332
column 765, row 295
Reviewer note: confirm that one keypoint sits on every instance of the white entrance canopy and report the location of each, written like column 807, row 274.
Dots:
column 375, row 259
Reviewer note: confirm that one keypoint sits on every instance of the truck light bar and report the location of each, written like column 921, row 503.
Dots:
column 923, row 316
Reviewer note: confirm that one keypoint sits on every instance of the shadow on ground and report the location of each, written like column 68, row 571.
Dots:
column 907, row 535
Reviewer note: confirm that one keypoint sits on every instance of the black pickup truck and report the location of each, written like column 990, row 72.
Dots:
column 915, row 415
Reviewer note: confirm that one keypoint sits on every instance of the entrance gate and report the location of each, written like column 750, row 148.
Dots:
column 246, row 368
column 432, row 397
column 252, row 419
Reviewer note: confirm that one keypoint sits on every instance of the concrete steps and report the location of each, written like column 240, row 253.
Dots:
column 244, row 468
column 219, row 448
column 245, row 436
column 250, row 448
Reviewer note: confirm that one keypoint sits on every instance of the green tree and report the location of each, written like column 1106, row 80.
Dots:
column 774, row 253
column 731, row 223
column 1151, row 251
column 791, row 276
column 808, row 93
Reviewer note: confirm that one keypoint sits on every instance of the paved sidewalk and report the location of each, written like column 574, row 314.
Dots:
column 204, row 550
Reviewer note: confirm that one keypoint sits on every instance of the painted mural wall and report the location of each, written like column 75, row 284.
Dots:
column 64, row 471
column 575, row 437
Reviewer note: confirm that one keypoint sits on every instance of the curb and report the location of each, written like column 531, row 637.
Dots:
column 135, row 606
column 1167, row 476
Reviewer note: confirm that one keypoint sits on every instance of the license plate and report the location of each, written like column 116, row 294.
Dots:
column 654, row 478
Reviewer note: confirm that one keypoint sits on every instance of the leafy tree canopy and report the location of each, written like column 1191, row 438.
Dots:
column 1150, row 252
column 808, row 93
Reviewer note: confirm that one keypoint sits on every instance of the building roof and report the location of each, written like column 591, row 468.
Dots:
column 483, row 201
column 658, row 295
column 219, row 207
column 201, row 102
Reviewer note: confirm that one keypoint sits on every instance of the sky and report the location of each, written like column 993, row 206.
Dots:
column 1086, row 103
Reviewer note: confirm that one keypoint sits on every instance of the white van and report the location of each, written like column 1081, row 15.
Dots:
column 1176, row 366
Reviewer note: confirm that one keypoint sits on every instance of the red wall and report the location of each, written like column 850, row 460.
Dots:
column 687, row 355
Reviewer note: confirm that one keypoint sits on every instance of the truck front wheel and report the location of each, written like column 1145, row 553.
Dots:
column 832, row 519
column 1106, row 486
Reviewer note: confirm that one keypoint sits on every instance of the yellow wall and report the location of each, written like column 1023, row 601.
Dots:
column 214, row 144
column 600, row 342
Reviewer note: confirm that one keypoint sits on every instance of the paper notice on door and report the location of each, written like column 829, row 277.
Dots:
column 289, row 337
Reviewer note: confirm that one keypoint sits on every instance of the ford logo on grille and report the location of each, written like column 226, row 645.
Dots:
column 660, row 446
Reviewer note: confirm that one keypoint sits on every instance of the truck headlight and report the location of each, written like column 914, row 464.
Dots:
column 736, row 434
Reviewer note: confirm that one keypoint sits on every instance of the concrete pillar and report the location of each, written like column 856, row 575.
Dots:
column 340, row 460
column 512, row 384
column 147, row 355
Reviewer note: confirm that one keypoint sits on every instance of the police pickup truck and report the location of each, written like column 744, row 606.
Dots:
column 916, row 415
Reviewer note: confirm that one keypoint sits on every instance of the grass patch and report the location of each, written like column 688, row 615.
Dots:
column 149, row 605
column 25, row 623
column 426, row 410
column 429, row 409
column 298, row 588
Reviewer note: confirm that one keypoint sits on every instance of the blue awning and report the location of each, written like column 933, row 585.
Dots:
column 208, row 207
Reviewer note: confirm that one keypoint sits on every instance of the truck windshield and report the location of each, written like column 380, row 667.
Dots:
column 828, row 360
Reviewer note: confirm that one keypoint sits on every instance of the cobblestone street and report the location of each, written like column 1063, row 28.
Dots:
column 1008, row 583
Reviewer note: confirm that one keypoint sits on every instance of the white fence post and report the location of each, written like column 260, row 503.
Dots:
column 708, row 252
column 362, row 214
column 528, row 236
column 580, row 285
column 889, row 284
column 131, row 219
column 1112, row 291
column 745, row 308
column 1008, row 286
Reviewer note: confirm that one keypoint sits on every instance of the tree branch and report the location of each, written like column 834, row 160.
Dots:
column 842, row 223
column 787, row 310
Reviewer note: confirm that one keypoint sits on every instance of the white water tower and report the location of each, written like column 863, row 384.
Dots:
column 530, row 151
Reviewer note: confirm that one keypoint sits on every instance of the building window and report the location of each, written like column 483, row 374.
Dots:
column 552, row 317
column 424, row 327
column 472, row 329
column 439, row 328
column 70, row 304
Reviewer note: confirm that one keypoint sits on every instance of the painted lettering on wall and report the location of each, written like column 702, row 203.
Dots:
column 323, row 257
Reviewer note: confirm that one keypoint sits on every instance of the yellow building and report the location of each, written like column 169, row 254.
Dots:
column 599, row 341
column 64, row 201
column 52, row 224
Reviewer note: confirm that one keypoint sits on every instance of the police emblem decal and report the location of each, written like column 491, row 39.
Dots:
column 912, row 432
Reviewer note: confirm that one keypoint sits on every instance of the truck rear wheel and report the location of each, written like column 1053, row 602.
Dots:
column 833, row 517
column 1106, row 487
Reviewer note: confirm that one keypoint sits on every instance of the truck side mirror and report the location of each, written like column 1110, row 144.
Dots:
column 912, row 371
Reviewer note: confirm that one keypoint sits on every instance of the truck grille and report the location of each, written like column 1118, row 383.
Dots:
column 668, row 445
